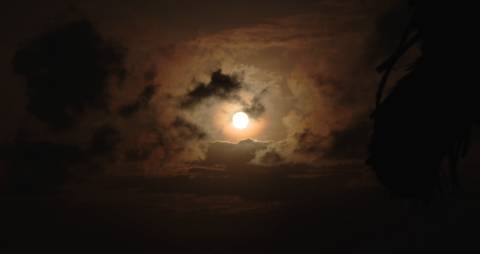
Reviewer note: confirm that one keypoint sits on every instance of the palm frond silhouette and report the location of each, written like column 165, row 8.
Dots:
column 427, row 118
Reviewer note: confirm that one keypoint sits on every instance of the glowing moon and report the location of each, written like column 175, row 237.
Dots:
column 240, row 120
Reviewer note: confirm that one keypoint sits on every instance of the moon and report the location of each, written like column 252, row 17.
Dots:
column 240, row 120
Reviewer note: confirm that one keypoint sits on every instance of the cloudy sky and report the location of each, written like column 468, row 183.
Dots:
column 160, row 80
column 116, row 128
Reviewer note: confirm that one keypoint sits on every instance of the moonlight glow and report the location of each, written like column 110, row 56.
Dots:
column 240, row 120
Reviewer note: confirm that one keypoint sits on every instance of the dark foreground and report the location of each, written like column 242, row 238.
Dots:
column 325, row 215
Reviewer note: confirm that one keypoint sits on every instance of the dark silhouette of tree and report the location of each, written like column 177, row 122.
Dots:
column 427, row 118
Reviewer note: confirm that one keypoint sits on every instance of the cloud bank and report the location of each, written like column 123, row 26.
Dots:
column 306, row 80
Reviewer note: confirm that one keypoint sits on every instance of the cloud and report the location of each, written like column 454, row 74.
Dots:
column 158, row 146
column 307, row 142
column 256, row 108
column 323, row 65
column 221, row 86
column 105, row 141
column 67, row 71
column 233, row 155
column 36, row 167
column 187, row 130
column 303, row 79
column 351, row 143
column 141, row 144
column 142, row 102
column 268, row 156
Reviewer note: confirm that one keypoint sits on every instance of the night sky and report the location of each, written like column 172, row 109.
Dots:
column 116, row 130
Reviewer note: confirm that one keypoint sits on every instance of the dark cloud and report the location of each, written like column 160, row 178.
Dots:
column 269, row 157
column 149, row 75
column 256, row 108
column 142, row 102
column 308, row 142
column 221, row 86
column 135, row 155
column 206, row 172
column 66, row 71
column 188, row 130
column 350, row 143
column 104, row 141
column 182, row 136
column 233, row 155
column 38, row 167
column 143, row 149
